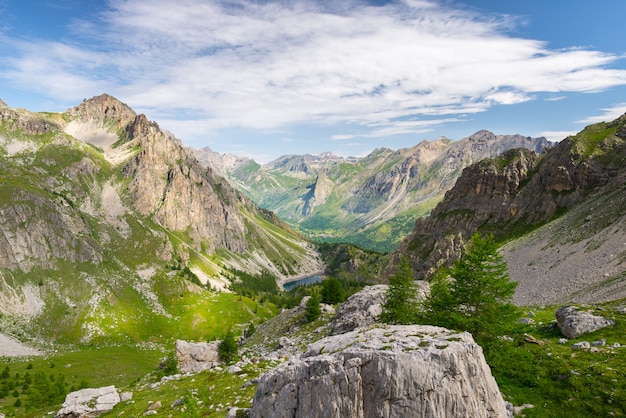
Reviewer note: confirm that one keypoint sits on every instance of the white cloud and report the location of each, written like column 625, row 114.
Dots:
column 608, row 114
column 267, row 65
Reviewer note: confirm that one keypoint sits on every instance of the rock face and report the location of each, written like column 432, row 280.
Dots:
column 574, row 323
column 89, row 402
column 196, row 357
column 395, row 371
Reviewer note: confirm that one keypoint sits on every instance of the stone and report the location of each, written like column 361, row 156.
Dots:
column 284, row 342
column 327, row 309
column 383, row 371
column 89, row 402
column 582, row 345
column 177, row 402
column 155, row 406
column 234, row 369
column 196, row 357
column 562, row 341
column 573, row 323
column 599, row 343
column 359, row 310
column 235, row 412
column 126, row 396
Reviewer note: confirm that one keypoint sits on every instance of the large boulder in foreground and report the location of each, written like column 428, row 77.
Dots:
column 386, row 371
column 196, row 357
column 90, row 402
column 574, row 323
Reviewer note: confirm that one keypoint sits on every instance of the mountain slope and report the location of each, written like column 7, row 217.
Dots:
column 371, row 201
column 104, row 218
column 564, row 213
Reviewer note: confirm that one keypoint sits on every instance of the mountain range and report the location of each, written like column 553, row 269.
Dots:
column 105, row 217
column 561, row 217
column 101, row 213
column 371, row 201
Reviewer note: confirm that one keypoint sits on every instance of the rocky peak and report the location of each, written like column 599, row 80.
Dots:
column 103, row 108
column 170, row 184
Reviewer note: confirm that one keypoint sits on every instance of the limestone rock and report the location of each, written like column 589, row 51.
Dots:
column 360, row 309
column 386, row 371
column 196, row 357
column 89, row 402
column 574, row 323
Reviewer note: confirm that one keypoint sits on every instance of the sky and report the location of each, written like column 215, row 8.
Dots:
column 267, row 78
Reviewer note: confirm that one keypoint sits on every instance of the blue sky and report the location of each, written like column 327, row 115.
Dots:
column 267, row 78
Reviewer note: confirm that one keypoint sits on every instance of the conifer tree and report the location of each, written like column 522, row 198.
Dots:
column 332, row 291
column 312, row 310
column 228, row 348
column 475, row 294
column 400, row 306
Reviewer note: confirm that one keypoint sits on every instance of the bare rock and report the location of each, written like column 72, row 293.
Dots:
column 574, row 323
column 359, row 310
column 363, row 308
column 89, row 402
column 386, row 371
column 196, row 357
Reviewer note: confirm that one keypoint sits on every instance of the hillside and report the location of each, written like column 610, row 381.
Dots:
column 111, row 228
column 371, row 201
column 561, row 215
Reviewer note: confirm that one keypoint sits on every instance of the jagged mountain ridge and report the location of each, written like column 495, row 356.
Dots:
column 562, row 213
column 101, row 196
column 372, row 200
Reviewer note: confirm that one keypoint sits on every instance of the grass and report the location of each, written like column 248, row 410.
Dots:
column 556, row 378
column 119, row 366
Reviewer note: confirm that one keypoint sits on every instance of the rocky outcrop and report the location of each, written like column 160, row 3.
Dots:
column 320, row 191
column 89, row 402
column 359, row 310
column 38, row 231
column 393, row 371
column 24, row 121
column 196, row 357
column 573, row 322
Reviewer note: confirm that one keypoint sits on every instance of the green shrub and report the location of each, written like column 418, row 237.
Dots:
column 228, row 348
column 312, row 310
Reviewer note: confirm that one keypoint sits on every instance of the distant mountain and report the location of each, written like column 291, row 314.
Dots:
column 104, row 217
column 562, row 216
column 371, row 201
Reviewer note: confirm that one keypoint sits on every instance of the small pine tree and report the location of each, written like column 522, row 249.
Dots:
column 312, row 310
column 400, row 306
column 18, row 403
column 169, row 365
column 332, row 291
column 228, row 348
column 475, row 293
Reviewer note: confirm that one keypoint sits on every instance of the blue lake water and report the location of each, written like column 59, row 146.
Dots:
column 307, row 280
